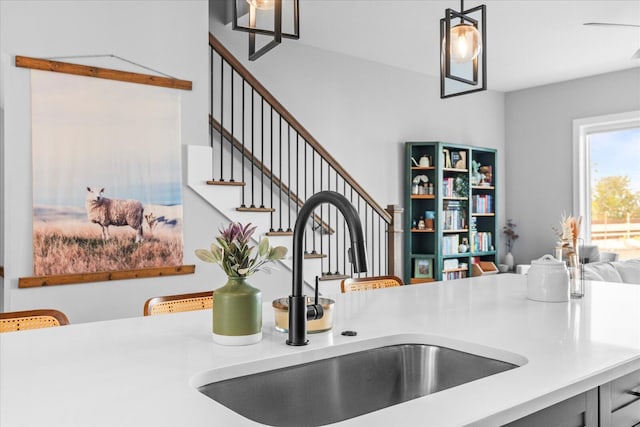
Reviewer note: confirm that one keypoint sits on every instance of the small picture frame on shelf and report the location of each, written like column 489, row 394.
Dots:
column 423, row 268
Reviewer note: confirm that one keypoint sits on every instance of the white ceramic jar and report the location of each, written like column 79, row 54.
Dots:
column 548, row 280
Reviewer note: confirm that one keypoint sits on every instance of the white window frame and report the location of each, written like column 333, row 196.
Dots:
column 582, row 128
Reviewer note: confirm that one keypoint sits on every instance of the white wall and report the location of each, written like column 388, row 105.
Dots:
column 169, row 36
column 362, row 112
column 539, row 150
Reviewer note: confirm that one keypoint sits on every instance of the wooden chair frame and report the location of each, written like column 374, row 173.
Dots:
column 178, row 303
column 367, row 283
column 31, row 319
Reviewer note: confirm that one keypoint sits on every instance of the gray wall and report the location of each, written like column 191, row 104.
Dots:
column 539, row 154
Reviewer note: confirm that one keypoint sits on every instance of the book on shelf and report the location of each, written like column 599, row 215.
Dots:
column 448, row 186
column 482, row 203
column 481, row 241
column 452, row 275
column 453, row 215
column 450, row 244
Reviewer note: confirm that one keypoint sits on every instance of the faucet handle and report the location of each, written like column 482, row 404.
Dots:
column 315, row 311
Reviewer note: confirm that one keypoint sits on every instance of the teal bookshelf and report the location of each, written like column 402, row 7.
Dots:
column 450, row 200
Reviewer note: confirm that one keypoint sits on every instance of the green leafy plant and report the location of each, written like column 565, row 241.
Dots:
column 234, row 254
column 461, row 186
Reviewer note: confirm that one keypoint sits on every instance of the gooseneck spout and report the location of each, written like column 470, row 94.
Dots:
column 299, row 313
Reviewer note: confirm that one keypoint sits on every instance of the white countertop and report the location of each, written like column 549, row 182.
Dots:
column 143, row 371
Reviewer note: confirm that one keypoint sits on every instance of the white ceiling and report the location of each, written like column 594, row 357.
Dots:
column 529, row 42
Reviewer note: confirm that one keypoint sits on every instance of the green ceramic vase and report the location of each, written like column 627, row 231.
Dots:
column 237, row 313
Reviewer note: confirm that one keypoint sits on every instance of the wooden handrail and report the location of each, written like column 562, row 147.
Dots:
column 304, row 133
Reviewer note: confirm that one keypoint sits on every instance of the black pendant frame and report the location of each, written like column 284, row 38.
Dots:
column 445, row 55
column 240, row 8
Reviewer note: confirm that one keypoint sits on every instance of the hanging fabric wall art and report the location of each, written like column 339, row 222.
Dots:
column 107, row 192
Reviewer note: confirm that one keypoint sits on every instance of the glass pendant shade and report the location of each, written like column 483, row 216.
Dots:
column 262, row 4
column 465, row 43
column 463, row 51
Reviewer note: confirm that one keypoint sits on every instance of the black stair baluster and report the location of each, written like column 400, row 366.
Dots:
column 280, row 173
column 271, row 166
column 262, row 154
column 211, row 109
column 297, row 171
column 313, row 190
column 320, row 228
column 221, row 119
column 289, row 176
column 242, row 204
column 379, row 249
column 232, row 125
column 306, row 180
column 253, row 151
column 337, row 231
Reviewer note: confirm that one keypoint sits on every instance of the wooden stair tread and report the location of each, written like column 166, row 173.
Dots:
column 326, row 276
column 254, row 209
column 236, row 183
column 314, row 256
column 279, row 233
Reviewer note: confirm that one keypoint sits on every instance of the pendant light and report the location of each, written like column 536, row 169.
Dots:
column 265, row 18
column 463, row 51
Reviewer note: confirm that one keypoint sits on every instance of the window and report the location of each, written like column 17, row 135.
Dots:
column 607, row 182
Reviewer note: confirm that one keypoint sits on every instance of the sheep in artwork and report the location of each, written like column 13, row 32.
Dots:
column 104, row 211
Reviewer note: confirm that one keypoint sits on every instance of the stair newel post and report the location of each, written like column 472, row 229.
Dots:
column 395, row 241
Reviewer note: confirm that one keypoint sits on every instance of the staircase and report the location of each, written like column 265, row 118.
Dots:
column 261, row 166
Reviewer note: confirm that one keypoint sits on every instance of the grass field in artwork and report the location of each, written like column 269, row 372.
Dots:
column 65, row 242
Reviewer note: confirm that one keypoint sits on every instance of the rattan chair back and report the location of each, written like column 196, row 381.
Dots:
column 178, row 303
column 368, row 283
column 31, row 319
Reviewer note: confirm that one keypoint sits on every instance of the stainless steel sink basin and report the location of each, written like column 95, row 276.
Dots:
column 330, row 390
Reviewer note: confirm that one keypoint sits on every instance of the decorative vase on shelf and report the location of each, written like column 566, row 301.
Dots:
column 237, row 313
column 508, row 260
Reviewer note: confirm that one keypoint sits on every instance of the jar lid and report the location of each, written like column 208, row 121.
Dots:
column 548, row 261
